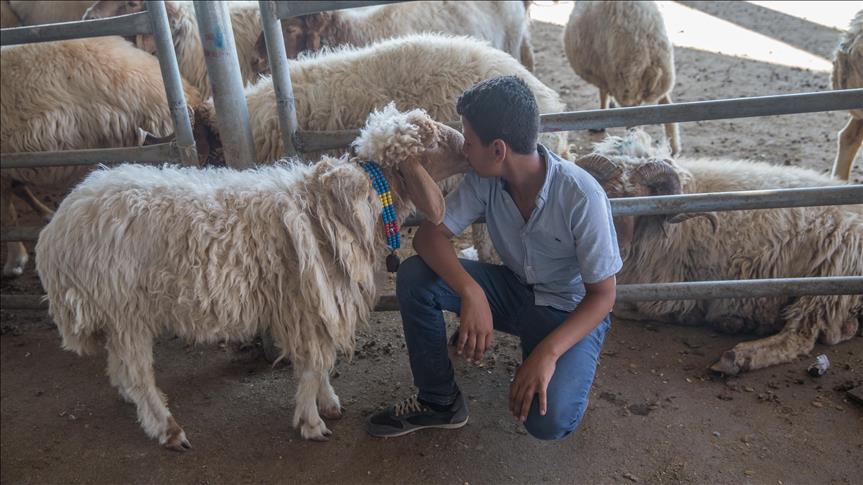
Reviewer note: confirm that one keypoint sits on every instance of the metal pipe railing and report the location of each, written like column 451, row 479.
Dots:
column 721, row 109
column 698, row 290
column 184, row 143
column 223, row 68
column 124, row 25
column 278, row 59
column 670, row 204
column 151, row 153
column 785, row 104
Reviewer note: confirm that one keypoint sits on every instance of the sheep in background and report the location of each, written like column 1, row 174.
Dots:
column 505, row 25
column 68, row 95
column 427, row 71
column 8, row 17
column 245, row 21
column 623, row 49
column 216, row 253
column 30, row 12
column 848, row 74
column 774, row 243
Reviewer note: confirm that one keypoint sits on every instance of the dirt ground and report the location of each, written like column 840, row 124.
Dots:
column 656, row 415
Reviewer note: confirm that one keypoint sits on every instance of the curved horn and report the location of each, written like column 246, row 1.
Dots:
column 711, row 216
column 599, row 166
column 659, row 176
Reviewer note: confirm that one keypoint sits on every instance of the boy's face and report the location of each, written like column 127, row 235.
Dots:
column 485, row 160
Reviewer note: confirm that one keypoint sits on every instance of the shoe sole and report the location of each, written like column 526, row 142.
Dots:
column 411, row 430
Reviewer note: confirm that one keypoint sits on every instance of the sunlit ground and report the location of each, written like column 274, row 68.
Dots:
column 691, row 28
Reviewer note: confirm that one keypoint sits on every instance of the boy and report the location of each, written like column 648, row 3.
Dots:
column 551, row 223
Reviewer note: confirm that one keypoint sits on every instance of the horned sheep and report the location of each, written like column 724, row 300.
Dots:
column 505, row 25
column 217, row 253
column 623, row 49
column 75, row 94
column 735, row 245
column 848, row 74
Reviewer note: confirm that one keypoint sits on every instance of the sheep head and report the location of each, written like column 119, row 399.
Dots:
column 630, row 167
column 303, row 33
column 414, row 152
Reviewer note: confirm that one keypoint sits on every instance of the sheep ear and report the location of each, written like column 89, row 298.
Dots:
column 422, row 190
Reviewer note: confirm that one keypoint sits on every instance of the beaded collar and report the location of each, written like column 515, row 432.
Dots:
column 388, row 212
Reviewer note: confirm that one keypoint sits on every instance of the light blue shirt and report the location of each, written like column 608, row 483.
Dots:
column 568, row 240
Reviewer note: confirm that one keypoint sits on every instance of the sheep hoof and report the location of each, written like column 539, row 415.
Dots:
column 176, row 438
column 726, row 364
column 332, row 412
column 596, row 130
column 315, row 433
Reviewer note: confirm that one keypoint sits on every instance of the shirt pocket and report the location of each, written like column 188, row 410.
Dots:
column 552, row 245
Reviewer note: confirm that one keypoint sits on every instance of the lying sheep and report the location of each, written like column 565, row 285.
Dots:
column 216, row 253
column 335, row 90
column 774, row 243
column 848, row 74
column 30, row 12
column 622, row 48
column 245, row 21
column 68, row 95
column 505, row 25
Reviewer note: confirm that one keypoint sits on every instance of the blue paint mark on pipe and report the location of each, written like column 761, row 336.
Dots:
column 220, row 40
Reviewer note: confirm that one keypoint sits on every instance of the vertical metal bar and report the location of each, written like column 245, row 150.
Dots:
column 223, row 68
column 278, row 59
column 173, row 83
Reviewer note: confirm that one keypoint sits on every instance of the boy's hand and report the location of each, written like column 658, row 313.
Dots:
column 531, row 378
column 475, row 331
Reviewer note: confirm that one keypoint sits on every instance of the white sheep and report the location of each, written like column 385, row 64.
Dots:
column 245, row 22
column 216, row 253
column 848, row 74
column 68, row 95
column 622, row 48
column 505, row 25
column 30, row 12
column 734, row 245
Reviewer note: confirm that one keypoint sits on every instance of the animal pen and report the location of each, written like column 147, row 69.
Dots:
column 231, row 110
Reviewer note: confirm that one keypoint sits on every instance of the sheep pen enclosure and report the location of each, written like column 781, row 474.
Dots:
column 656, row 414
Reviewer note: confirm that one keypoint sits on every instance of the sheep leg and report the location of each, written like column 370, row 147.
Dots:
column 328, row 401
column 672, row 131
column 603, row 104
column 796, row 338
column 482, row 243
column 130, row 368
column 16, row 253
column 850, row 139
column 526, row 52
column 306, row 416
column 23, row 192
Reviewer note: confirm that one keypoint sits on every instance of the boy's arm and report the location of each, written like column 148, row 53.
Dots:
column 535, row 372
column 433, row 244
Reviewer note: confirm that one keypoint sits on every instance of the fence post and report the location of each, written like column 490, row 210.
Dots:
column 220, row 52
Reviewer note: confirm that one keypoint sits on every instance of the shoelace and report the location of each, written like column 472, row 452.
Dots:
column 411, row 404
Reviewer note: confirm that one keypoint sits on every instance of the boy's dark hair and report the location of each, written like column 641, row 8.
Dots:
column 502, row 107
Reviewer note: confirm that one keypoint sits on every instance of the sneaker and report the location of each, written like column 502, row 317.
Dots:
column 412, row 414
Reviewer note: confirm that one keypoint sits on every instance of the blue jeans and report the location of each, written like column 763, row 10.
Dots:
column 422, row 294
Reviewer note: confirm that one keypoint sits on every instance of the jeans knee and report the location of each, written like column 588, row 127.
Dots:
column 411, row 272
column 551, row 427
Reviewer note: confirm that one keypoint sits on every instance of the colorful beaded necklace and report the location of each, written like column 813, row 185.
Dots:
column 388, row 212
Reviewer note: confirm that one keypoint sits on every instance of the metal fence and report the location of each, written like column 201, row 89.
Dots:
column 239, row 146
